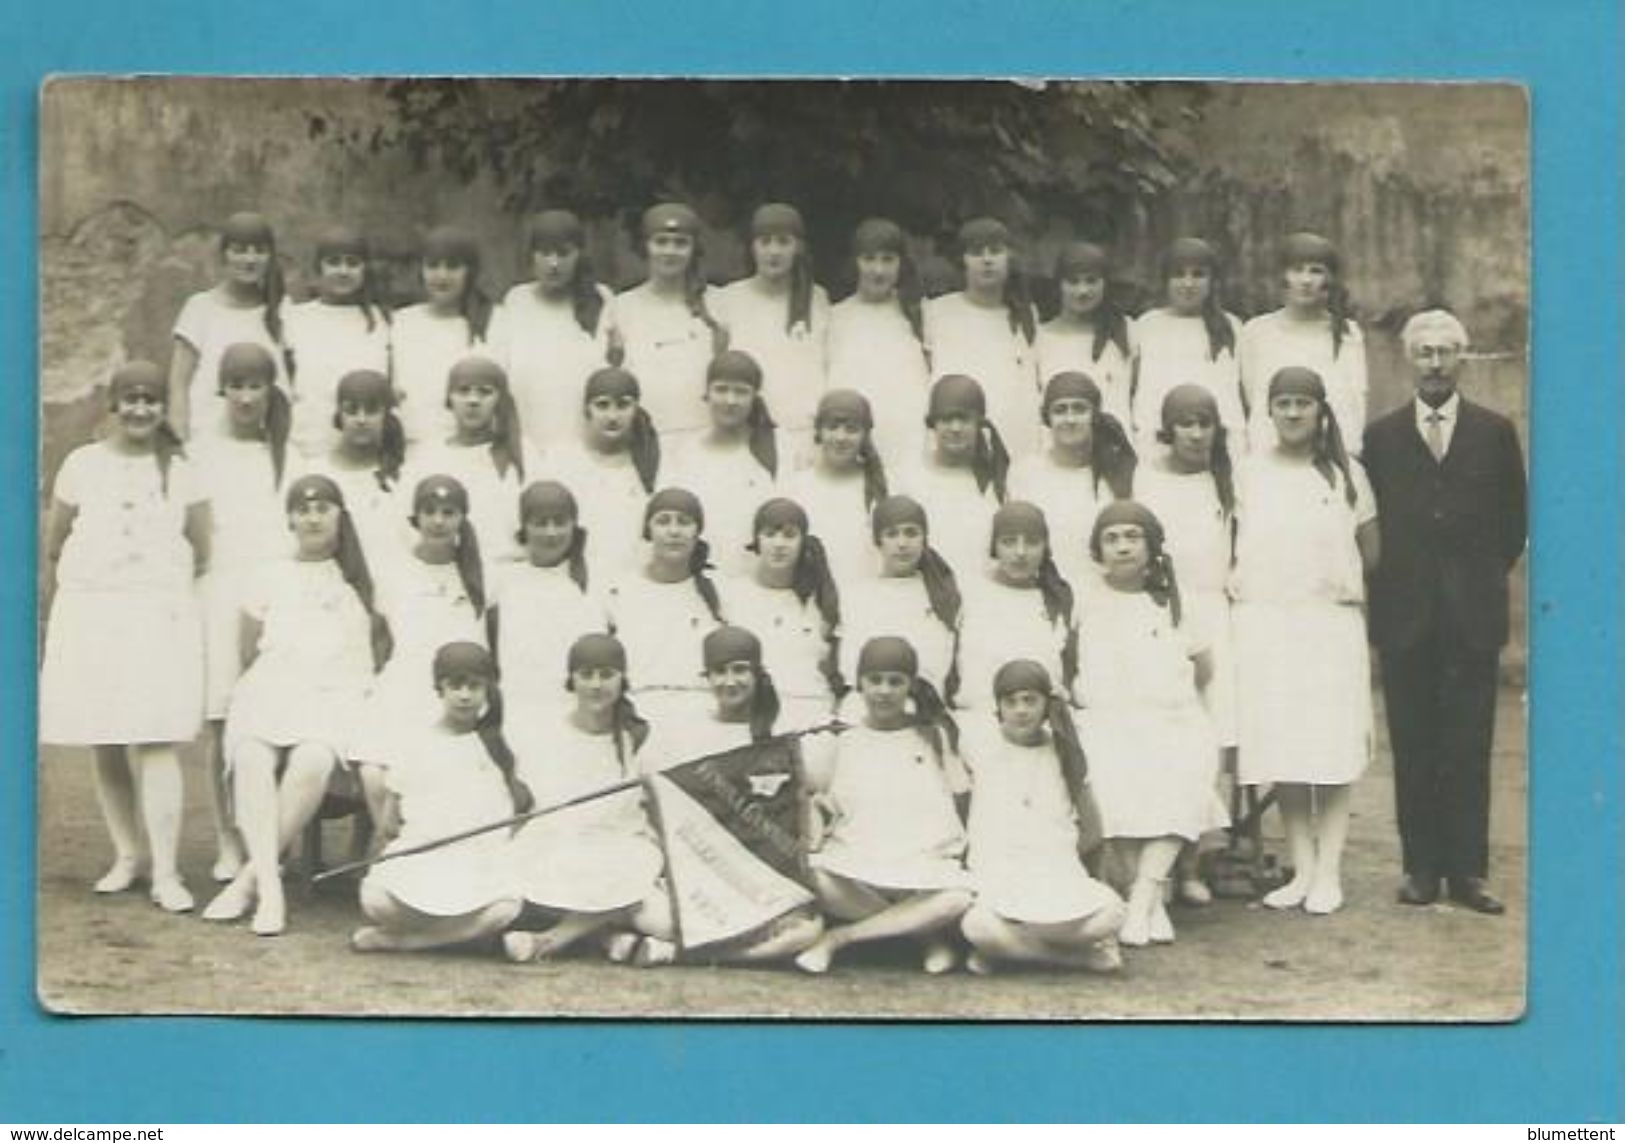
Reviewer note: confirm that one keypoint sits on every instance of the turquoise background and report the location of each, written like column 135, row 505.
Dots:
column 1562, row 1063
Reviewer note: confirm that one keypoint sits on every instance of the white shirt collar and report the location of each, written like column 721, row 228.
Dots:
column 1447, row 411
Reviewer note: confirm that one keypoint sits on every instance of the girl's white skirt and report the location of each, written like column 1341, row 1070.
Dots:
column 1039, row 888
column 122, row 667
column 454, row 881
column 591, row 858
column 1304, row 693
column 1209, row 613
column 222, row 594
column 1153, row 770
column 277, row 703
column 912, row 872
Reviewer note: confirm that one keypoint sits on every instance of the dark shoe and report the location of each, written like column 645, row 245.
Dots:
column 1472, row 892
column 1418, row 889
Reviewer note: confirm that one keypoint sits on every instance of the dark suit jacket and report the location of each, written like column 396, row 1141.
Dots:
column 1450, row 532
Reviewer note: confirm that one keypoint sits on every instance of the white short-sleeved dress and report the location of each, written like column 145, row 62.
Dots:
column 610, row 498
column 313, row 671
column 425, row 346
column 1002, row 623
column 838, row 514
column 541, row 612
column 1198, row 531
column 329, row 341
column 447, row 783
column 731, row 484
column 977, row 341
column 1071, row 501
column 427, row 606
column 210, row 323
column 1174, row 350
column 1152, row 754
column 493, row 497
column 874, row 350
column 1066, row 348
column 960, row 513
column 795, row 647
column 895, row 825
column 794, row 361
column 593, row 857
column 668, row 349
column 897, row 606
column 663, row 627
column 1303, row 667
column 1275, row 340
column 124, row 645
column 1023, row 831
column 549, row 357
column 250, row 531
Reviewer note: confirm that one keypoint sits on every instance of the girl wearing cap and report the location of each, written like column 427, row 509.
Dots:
column 734, row 464
column 590, row 869
column 1152, row 757
column 342, row 329
column 989, row 330
column 311, row 642
column 780, row 316
column 1020, row 607
column 1313, row 328
column 125, row 537
column 541, row 605
column 790, row 598
column 618, row 457
column 247, row 304
column 456, row 773
column 452, row 323
column 1190, row 340
column 665, row 323
column 1307, row 539
column 1090, row 334
column 1190, row 486
column 556, row 329
column 1035, row 901
column 366, row 462
column 964, row 475
column 663, row 611
column 246, row 471
column 1088, row 462
column 877, row 339
column 845, row 481
column 433, row 594
column 487, row 452
column 915, row 597
column 887, row 840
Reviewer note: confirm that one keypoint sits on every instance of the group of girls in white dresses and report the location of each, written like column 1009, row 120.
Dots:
column 1048, row 579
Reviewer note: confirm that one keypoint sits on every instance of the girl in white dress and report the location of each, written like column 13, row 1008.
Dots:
column 1313, row 328
column 486, row 452
column 341, row 330
column 877, row 339
column 1021, row 607
column 1152, row 758
column 311, row 642
column 888, row 863
column 989, row 331
column 246, row 305
column 1190, row 487
column 126, row 535
column 662, row 611
column 790, row 599
column 665, row 326
column 618, row 459
column 457, row 773
column 915, row 597
column 1035, row 901
column 964, row 475
column 1088, row 462
column 780, row 316
column 429, row 338
column 245, row 472
column 1091, row 334
column 1190, row 341
column 733, row 466
column 843, row 485
column 366, row 463
column 555, row 330
column 1308, row 536
column 590, row 868
column 543, row 604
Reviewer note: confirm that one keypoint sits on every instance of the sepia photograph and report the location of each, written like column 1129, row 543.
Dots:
column 1030, row 550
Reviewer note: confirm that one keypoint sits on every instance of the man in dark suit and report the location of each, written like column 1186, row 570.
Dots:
column 1453, row 510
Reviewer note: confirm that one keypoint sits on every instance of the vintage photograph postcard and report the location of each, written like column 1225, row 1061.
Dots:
column 947, row 550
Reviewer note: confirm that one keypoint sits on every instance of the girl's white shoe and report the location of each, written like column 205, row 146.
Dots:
column 125, row 872
column 171, row 896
